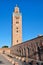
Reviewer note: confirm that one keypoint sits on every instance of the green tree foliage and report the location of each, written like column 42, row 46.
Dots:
column 4, row 46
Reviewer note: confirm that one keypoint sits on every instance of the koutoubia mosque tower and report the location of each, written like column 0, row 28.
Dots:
column 16, row 27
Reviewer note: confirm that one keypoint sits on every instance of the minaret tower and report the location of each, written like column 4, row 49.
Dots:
column 16, row 27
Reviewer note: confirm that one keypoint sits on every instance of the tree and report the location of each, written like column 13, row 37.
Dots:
column 4, row 46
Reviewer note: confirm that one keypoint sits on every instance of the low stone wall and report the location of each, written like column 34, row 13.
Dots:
column 5, row 50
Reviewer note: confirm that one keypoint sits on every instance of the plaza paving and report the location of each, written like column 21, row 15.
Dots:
column 4, row 61
column 16, row 60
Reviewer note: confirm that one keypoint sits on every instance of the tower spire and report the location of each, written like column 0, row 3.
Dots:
column 16, row 9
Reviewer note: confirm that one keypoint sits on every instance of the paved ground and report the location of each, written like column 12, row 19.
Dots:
column 19, row 62
column 4, row 61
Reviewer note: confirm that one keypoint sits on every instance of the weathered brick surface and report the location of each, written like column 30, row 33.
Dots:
column 29, row 48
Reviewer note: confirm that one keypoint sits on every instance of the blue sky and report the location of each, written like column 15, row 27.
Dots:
column 32, row 19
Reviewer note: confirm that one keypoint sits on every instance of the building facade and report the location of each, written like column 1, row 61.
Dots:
column 16, row 27
column 32, row 49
